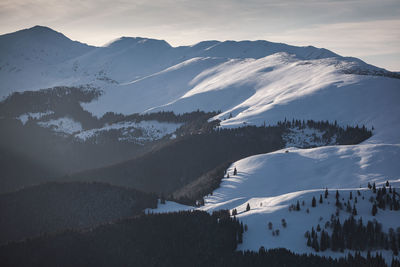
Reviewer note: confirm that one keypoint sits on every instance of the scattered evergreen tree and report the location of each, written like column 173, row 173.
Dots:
column 235, row 171
column 234, row 212
column 354, row 212
column 320, row 199
column 374, row 209
column 298, row 205
column 313, row 202
column 284, row 224
column 248, row 207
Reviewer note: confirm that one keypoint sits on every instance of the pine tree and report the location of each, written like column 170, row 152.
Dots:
column 351, row 195
column 320, row 199
column 314, row 202
column 348, row 207
column 315, row 244
column 326, row 192
column 374, row 210
column 354, row 210
column 248, row 207
column 298, row 205
column 235, row 171
column 337, row 194
column 309, row 241
column 234, row 212
column 284, row 224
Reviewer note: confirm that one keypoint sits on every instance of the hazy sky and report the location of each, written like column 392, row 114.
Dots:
column 368, row 29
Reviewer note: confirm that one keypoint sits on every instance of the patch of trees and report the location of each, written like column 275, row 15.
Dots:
column 283, row 257
column 66, row 102
column 344, row 136
column 353, row 234
column 175, row 239
column 63, row 101
column 191, row 238
column 53, row 207
column 386, row 197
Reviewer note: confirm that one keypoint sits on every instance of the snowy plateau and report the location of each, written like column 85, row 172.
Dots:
column 250, row 83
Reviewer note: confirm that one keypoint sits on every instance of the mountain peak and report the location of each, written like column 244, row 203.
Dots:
column 125, row 42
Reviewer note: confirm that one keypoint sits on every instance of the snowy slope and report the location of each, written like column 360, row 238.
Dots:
column 266, row 89
column 271, row 182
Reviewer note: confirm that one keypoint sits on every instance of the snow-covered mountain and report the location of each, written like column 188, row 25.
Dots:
column 251, row 83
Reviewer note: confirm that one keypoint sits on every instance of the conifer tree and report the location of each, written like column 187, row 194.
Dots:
column 234, row 212
column 374, row 210
column 320, row 199
column 309, row 241
column 298, row 205
column 248, row 207
column 354, row 212
column 314, row 202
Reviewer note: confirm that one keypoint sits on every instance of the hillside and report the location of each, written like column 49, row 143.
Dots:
column 176, row 239
column 54, row 207
column 272, row 183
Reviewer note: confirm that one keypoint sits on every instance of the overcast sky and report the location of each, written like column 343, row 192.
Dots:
column 368, row 29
